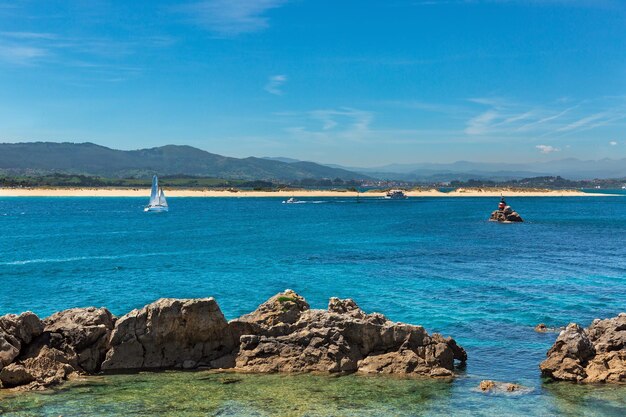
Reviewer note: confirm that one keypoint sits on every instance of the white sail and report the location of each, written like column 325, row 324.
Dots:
column 154, row 194
column 157, row 198
column 162, row 200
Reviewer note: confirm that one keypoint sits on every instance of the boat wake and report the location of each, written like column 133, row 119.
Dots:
column 306, row 202
column 91, row 258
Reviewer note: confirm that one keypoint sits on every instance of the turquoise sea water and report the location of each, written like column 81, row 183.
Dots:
column 430, row 261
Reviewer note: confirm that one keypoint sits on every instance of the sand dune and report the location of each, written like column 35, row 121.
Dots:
column 140, row 192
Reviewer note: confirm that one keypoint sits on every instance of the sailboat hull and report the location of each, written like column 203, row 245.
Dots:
column 156, row 209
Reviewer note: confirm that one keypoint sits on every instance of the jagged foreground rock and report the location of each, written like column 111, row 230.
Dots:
column 594, row 354
column 282, row 335
column 68, row 342
column 169, row 333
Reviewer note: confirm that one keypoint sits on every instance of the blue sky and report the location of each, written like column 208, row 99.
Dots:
column 361, row 83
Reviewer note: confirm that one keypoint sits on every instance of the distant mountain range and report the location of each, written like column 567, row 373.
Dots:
column 91, row 159
column 463, row 170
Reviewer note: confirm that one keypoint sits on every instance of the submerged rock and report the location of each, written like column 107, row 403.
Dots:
column 495, row 387
column 281, row 335
column 594, row 354
column 542, row 328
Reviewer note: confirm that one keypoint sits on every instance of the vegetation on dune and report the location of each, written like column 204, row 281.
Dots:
column 61, row 180
column 545, row 182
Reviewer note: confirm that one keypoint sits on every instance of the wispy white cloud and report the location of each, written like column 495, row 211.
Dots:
column 613, row 143
column 29, row 35
column 341, row 126
column 232, row 17
column 97, row 57
column 274, row 84
column 509, row 118
column 584, row 122
column 546, row 149
column 20, row 54
column 482, row 123
column 572, row 3
column 329, row 125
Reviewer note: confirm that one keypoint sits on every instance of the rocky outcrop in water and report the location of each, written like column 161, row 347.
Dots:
column 17, row 332
column 69, row 342
column 594, row 354
column 169, row 333
column 506, row 215
column 282, row 335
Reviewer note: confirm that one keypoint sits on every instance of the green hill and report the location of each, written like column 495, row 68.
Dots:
column 91, row 159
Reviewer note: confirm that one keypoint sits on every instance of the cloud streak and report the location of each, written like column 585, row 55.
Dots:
column 508, row 118
column 20, row 54
column 547, row 149
column 570, row 3
column 333, row 125
column 230, row 18
column 274, row 84
column 97, row 58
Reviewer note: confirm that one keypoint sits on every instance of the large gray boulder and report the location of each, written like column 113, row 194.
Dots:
column 84, row 332
column 69, row 342
column 15, row 333
column 594, row 354
column 46, row 367
column 340, row 339
column 169, row 333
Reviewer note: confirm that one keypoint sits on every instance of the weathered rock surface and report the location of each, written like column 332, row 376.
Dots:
column 543, row 328
column 15, row 333
column 47, row 367
column 84, row 332
column 594, row 354
column 170, row 333
column 281, row 335
column 495, row 387
column 506, row 215
column 69, row 342
column 341, row 339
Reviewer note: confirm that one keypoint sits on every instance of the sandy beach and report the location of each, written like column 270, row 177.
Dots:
column 140, row 192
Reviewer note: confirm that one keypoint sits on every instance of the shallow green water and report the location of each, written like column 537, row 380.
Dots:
column 220, row 394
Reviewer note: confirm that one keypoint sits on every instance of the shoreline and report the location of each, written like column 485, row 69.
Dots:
column 145, row 192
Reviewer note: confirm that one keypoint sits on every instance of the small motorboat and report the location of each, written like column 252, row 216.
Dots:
column 395, row 195
column 291, row 200
column 158, row 203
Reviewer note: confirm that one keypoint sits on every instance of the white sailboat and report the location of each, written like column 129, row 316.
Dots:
column 157, row 203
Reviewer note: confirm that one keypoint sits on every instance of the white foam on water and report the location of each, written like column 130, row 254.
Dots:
column 89, row 258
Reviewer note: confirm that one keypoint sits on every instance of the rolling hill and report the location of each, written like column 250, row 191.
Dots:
column 92, row 159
